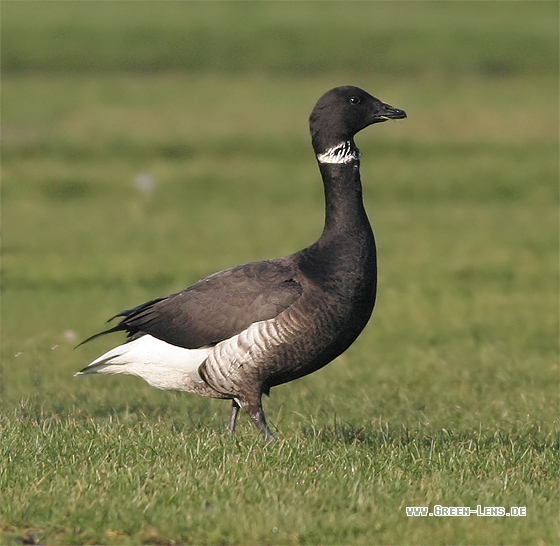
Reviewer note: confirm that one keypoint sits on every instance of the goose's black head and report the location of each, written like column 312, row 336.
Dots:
column 342, row 112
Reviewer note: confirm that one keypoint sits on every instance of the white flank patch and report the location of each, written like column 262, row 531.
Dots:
column 339, row 154
column 160, row 364
column 231, row 361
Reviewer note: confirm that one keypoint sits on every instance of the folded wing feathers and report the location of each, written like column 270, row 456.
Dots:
column 215, row 308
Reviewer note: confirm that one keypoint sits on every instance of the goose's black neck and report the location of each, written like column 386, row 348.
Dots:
column 343, row 260
column 345, row 214
column 344, row 257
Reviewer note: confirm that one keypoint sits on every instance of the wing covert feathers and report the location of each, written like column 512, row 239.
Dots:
column 215, row 308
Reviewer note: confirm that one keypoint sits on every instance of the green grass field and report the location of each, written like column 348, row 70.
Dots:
column 449, row 397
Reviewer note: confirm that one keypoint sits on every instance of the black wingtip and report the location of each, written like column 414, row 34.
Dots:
column 99, row 334
column 122, row 326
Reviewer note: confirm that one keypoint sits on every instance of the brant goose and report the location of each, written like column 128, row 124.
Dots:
column 240, row 332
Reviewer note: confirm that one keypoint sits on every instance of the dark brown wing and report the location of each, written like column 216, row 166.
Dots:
column 216, row 307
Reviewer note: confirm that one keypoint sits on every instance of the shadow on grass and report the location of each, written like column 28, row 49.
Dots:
column 471, row 440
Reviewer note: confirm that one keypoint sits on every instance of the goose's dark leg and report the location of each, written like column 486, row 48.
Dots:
column 256, row 413
column 233, row 417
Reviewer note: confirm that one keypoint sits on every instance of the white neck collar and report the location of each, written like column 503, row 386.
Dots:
column 342, row 153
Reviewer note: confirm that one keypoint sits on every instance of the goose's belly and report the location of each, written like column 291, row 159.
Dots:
column 292, row 345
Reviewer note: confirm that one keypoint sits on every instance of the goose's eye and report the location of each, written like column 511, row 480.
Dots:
column 355, row 100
